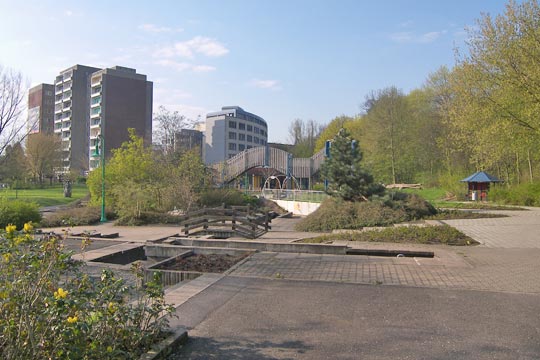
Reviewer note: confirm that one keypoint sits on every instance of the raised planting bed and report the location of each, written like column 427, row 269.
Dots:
column 190, row 264
column 210, row 263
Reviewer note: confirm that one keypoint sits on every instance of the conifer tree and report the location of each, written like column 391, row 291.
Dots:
column 347, row 179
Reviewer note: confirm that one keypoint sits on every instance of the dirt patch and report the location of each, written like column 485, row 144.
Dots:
column 212, row 263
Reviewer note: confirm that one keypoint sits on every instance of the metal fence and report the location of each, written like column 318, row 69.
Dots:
column 290, row 195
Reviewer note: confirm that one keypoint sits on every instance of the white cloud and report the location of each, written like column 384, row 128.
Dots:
column 152, row 28
column 187, row 49
column 265, row 84
column 68, row 13
column 411, row 37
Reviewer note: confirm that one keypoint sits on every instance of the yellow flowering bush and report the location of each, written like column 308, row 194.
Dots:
column 51, row 309
column 60, row 294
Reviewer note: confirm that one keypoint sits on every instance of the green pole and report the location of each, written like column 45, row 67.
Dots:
column 103, row 217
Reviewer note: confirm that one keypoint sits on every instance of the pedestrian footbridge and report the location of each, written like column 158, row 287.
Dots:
column 269, row 157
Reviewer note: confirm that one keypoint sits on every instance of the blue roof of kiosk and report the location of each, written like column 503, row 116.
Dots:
column 481, row 177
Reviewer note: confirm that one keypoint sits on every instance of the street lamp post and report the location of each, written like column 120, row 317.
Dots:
column 100, row 151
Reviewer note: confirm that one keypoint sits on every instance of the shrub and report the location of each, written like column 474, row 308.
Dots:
column 416, row 207
column 527, row 194
column 51, row 309
column 18, row 213
column 229, row 197
column 148, row 217
column 76, row 216
column 380, row 211
column 443, row 234
column 332, row 214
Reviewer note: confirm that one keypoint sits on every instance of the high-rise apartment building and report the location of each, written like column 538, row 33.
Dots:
column 71, row 111
column 120, row 99
column 91, row 102
column 232, row 130
column 41, row 109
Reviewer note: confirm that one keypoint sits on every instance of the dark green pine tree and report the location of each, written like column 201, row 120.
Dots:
column 346, row 177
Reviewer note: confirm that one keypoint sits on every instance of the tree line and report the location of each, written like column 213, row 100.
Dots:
column 482, row 114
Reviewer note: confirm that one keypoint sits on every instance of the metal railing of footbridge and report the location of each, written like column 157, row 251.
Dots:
column 269, row 157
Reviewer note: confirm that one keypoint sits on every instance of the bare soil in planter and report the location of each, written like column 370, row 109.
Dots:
column 212, row 263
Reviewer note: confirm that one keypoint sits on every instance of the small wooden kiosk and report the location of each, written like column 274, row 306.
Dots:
column 478, row 184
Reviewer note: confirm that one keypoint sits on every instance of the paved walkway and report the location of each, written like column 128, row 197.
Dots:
column 520, row 230
column 507, row 260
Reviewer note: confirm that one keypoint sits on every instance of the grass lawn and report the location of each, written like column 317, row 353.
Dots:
column 436, row 197
column 48, row 196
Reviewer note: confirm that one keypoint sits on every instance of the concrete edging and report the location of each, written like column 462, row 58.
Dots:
column 165, row 347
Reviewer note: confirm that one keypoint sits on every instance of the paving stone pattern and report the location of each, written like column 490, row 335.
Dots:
column 520, row 230
column 483, row 269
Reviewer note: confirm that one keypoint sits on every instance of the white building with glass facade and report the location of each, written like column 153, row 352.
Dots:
column 230, row 131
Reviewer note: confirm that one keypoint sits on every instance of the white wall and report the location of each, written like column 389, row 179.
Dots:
column 298, row 207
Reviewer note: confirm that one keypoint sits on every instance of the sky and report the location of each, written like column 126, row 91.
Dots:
column 279, row 59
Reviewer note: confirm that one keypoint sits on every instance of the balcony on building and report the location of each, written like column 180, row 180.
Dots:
column 96, row 81
column 95, row 112
column 95, row 123
column 96, row 101
column 67, row 76
column 96, row 90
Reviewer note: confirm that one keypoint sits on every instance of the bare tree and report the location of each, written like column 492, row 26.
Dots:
column 170, row 124
column 12, row 93
column 303, row 135
column 43, row 153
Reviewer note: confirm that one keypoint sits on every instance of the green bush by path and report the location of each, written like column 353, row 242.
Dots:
column 18, row 212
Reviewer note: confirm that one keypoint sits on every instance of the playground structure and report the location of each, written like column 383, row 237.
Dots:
column 272, row 162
